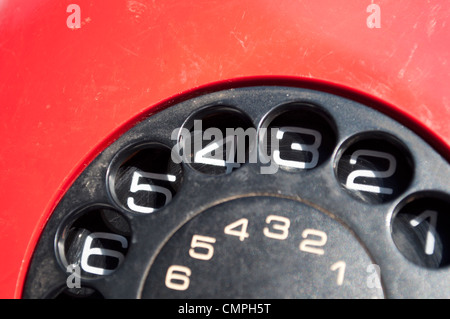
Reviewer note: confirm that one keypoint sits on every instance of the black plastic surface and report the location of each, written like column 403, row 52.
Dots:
column 320, row 189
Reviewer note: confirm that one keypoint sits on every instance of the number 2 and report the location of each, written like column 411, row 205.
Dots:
column 350, row 183
column 312, row 245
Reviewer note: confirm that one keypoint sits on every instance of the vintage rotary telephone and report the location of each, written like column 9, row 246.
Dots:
column 234, row 149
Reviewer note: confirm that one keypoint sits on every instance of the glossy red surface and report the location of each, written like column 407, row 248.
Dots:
column 67, row 93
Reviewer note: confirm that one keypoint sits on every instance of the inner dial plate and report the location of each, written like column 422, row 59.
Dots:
column 194, row 201
column 263, row 247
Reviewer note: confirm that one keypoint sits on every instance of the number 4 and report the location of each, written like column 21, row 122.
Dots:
column 229, row 163
column 233, row 229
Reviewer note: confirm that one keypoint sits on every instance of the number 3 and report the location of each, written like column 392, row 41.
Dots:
column 310, row 148
column 283, row 227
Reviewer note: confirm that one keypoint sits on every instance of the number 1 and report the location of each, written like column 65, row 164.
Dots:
column 430, row 239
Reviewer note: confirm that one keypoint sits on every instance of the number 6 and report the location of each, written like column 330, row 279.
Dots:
column 177, row 277
column 89, row 251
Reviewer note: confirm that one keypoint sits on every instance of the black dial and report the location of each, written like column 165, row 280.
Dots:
column 263, row 247
column 254, row 192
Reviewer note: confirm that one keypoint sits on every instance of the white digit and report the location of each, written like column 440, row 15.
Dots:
column 340, row 267
column 310, row 245
column 311, row 148
column 232, row 229
column 350, row 183
column 204, row 242
column 230, row 142
column 177, row 277
column 431, row 233
column 283, row 227
column 89, row 251
column 136, row 187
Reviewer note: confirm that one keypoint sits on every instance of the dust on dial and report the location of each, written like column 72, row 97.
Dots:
column 263, row 247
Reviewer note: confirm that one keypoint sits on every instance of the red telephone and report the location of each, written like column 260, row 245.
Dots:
column 355, row 93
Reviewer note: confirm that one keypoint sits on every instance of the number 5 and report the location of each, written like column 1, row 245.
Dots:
column 203, row 242
column 136, row 187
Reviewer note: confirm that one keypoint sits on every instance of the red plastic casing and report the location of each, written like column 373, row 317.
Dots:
column 66, row 93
